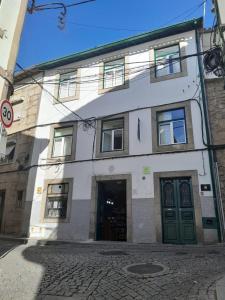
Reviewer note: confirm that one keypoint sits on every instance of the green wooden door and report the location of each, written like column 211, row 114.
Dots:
column 177, row 211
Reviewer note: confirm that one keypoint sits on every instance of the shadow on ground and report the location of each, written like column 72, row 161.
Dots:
column 98, row 271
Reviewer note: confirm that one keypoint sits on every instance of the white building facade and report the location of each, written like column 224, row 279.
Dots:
column 118, row 152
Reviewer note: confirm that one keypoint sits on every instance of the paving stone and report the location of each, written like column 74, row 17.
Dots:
column 78, row 271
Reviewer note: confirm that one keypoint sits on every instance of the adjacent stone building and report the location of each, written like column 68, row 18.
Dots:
column 14, row 165
column 216, row 105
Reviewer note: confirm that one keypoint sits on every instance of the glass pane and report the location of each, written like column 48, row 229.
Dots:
column 72, row 87
column 114, row 64
column 179, row 134
column 108, row 79
column 164, row 134
column 165, row 60
column 118, row 139
column 162, row 69
column 185, row 195
column 176, row 67
column 63, row 131
column 51, row 213
column 171, row 115
column 166, row 52
column 67, row 145
column 57, row 147
column 63, row 90
column 114, row 124
column 165, row 116
column 119, row 78
column 67, row 85
column 168, row 195
column 177, row 114
column 107, row 141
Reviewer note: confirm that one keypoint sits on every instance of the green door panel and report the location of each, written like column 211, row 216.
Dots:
column 177, row 211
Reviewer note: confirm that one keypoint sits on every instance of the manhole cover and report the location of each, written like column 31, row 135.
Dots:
column 146, row 269
column 115, row 252
column 213, row 252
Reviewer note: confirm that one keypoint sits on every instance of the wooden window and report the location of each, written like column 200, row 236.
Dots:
column 57, row 198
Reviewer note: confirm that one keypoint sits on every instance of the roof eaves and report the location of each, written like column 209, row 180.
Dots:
column 121, row 44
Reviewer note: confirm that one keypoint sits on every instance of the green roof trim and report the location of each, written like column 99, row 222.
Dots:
column 118, row 45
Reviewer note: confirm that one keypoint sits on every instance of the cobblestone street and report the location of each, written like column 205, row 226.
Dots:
column 97, row 271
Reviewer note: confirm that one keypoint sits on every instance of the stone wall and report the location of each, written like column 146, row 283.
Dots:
column 216, row 102
column 14, row 174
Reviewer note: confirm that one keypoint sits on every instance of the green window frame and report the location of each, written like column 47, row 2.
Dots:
column 167, row 60
column 171, row 126
column 62, row 142
column 114, row 73
column 67, row 85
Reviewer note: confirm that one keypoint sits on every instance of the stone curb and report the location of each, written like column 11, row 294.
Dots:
column 13, row 239
column 220, row 289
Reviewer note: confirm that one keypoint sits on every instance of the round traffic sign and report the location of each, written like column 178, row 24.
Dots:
column 6, row 113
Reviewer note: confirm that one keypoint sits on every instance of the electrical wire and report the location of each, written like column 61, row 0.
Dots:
column 190, row 11
column 128, row 72
column 55, row 98
column 186, row 11
column 54, row 5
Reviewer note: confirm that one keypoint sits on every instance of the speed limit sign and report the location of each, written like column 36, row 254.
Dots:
column 6, row 113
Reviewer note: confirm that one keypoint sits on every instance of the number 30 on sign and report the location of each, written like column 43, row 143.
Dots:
column 6, row 113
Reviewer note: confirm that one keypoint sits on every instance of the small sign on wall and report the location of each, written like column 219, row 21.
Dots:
column 146, row 170
column 205, row 187
column 39, row 190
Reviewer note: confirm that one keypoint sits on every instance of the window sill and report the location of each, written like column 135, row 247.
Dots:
column 6, row 163
column 111, row 154
column 114, row 88
column 154, row 79
column 173, row 147
column 59, row 159
column 55, row 220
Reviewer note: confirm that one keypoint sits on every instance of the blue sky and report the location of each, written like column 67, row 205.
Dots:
column 99, row 22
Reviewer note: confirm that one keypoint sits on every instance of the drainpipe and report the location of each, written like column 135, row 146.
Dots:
column 214, row 176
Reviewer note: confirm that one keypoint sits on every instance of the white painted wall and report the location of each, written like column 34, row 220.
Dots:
column 140, row 94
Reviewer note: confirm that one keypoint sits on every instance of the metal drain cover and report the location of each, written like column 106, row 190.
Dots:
column 213, row 252
column 146, row 269
column 113, row 252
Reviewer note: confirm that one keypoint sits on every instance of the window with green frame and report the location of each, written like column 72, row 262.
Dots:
column 114, row 73
column 112, row 135
column 62, row 141
column 167, row 60
column 67, row 85
column 171, row 127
